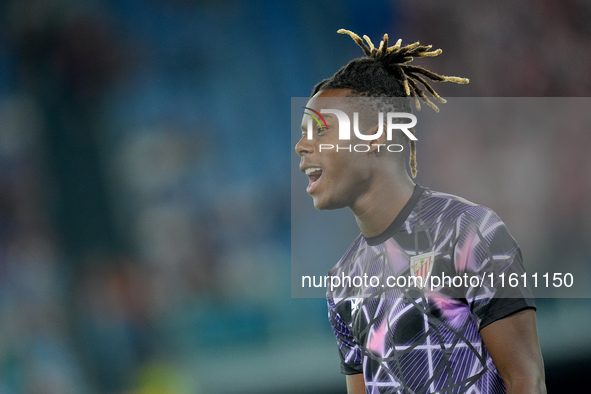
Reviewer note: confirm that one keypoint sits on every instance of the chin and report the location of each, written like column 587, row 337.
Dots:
column 319, row 204
column 324, row 205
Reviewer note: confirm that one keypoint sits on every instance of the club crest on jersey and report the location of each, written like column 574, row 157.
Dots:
column 421, row 266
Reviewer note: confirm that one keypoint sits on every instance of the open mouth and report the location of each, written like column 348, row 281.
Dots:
column 314, row 174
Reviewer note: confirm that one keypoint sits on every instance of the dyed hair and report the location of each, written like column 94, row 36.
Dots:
column 385, row 72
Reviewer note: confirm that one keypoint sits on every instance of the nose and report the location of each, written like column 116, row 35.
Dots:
column 304, row 145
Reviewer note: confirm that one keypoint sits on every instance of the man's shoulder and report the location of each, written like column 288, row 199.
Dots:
column 451, row 206
column 448, row 200
column 466, row 218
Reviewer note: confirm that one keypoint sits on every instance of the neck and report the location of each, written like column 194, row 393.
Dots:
column 376, row 209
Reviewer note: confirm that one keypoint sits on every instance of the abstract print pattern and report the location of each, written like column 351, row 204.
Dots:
column 411, row 340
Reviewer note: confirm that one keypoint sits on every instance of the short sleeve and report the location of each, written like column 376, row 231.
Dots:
column 486, row 251
column 349, row 351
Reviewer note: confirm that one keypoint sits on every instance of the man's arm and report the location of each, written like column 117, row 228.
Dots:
column 513, row 345
column 355, row 384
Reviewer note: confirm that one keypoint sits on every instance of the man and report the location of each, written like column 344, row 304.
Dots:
column 478, row 337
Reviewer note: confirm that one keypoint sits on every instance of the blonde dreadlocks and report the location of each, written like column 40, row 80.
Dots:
column 385, row 72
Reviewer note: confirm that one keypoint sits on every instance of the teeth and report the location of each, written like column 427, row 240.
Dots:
column 312, row 169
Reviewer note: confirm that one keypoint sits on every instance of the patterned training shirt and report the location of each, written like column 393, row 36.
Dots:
column 408, row 336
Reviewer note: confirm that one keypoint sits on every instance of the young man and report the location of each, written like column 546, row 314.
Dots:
column 480, row 337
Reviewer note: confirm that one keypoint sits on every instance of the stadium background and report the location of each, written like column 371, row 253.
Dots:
column 145, row 195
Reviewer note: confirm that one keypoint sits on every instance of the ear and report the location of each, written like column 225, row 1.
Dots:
column 374, row 145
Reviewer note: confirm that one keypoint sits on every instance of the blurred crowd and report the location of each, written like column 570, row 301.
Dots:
column 144, row 153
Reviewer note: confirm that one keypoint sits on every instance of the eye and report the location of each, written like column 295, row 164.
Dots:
column 321, row 129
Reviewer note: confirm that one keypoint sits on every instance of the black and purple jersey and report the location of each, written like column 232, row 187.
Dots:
column 424, row 338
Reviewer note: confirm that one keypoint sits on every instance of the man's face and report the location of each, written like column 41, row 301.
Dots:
column 336, row 179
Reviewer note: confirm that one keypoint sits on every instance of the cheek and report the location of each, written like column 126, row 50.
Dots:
column 348, row 169
column 351, row 162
